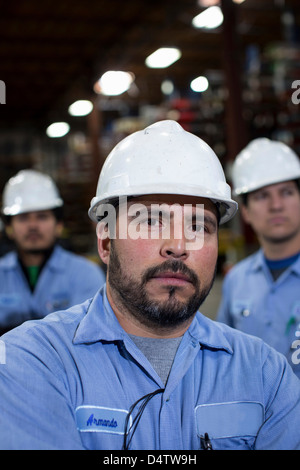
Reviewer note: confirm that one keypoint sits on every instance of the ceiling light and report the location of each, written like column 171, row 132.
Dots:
column 210, row 18
column 199, row 84
column 113, row 83
column 163, row 57
column 57, row 129
column 80, row 108
column 167, row 87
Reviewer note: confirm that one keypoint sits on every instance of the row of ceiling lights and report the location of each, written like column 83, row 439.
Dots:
column 113, row 83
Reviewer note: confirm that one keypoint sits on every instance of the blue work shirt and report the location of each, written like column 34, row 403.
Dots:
column 69, row 380
column 66, row 279
column 256, row 304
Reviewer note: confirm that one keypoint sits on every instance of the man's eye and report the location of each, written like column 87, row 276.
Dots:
column 151, row 222
column 260, row 196
column 196, row 228
column 288, row 192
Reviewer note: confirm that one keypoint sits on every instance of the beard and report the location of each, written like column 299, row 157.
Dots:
column 133, row 297
column 27, row 250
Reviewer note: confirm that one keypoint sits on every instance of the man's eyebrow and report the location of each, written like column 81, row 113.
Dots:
column 166, row 209
column 210, row 220
column 206, row 218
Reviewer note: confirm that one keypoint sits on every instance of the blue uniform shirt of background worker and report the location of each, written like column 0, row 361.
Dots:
column 66, row 279
column 70, row 380
column 39, row 276
column 256, row 304
column 261, row 294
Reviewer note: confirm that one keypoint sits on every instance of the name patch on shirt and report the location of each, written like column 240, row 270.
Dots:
column 58, row 301
column 100, row 419
column 9, row 300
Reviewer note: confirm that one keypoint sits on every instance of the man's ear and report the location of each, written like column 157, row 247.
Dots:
column 59, row 229
column 9, row 232
column 103, row 242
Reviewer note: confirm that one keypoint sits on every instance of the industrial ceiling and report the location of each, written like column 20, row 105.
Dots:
column 52, row 53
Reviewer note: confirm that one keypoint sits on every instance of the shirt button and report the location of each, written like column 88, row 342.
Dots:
column 246, row 312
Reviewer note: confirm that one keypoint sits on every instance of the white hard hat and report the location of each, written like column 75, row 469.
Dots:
column 30, row 190
column 163, row 159
column 264, row 162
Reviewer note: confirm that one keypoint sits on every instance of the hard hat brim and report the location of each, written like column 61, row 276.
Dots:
column 19, row 209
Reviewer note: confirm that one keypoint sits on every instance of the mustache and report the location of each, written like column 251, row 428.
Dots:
column 33, row 232
column 174, row 266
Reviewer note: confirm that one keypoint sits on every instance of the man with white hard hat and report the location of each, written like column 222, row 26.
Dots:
column 139, row 367
column 261, row 294
column 39, row 276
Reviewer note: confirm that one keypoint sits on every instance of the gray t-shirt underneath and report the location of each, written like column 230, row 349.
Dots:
column 160, row 352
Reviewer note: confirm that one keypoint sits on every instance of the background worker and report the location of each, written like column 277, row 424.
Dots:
column 39, row 276
column 261, row 294
column 137, row 367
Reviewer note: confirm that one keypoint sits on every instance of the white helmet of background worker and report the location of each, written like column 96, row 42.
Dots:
column 163, row 159
column 30, row 190
column 263, row 162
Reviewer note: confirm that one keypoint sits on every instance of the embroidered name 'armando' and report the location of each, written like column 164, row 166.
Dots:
column 100, row 419
column 101, row 422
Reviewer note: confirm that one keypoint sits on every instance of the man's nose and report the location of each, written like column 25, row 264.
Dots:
column 174, row 248
column 32, row 221
column 276, row 202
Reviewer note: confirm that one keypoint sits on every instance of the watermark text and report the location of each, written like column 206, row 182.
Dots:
column 2, row 352
column 296, row 93
column 296, row 346
column 2, row 92
column 154, row 221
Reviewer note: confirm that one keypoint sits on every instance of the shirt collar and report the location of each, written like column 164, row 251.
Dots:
column 54, row 261
column 209, row 333
column 296, row 266
column 259, row 262
column 10, row 260
column 101, row 324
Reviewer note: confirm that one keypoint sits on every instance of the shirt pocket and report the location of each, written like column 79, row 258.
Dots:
column 232, row 425
column 58, row 301
column 241, row 310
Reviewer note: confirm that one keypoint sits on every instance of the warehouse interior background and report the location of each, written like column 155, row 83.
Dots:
column 52, row 55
